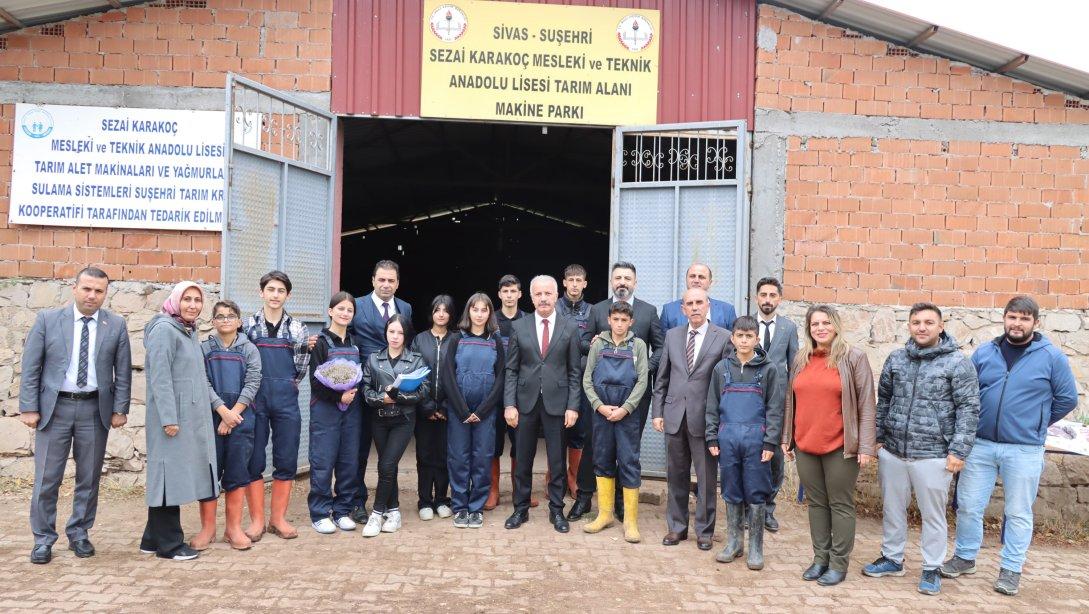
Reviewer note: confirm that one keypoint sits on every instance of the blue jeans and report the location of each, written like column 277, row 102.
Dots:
column 1020, row 466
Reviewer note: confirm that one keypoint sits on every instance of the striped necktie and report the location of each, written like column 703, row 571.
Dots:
column 84, row 351
column 690, row 349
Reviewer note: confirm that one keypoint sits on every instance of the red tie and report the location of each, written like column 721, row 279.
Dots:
column 544, row 338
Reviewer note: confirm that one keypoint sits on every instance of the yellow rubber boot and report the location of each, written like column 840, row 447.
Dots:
column 606, row 493
column 631, row 515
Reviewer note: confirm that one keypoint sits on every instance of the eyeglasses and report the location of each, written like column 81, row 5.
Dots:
column 225, row 318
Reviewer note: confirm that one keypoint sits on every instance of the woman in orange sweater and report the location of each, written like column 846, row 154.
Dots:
column 829, row 423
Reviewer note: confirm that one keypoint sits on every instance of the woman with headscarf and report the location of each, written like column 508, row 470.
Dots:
column 181, row 451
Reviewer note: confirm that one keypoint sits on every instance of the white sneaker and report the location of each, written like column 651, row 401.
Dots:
column 444, row 511
column 426, row 513
column 346, row 524
column 374, row 525
column 393, row 522
column 324, row 526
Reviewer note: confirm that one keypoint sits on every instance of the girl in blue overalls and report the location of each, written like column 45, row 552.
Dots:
column 284, row 345
column 334, row 432
column 615, row 381
column 234, row 375
column 472, row 380
column 744, row 418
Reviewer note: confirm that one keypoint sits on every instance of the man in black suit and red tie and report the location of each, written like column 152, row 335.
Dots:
column 543, row 373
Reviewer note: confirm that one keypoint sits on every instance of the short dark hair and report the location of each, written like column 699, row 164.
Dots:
column 466, row 324
column 623, row 308
column 924, row 306
column 340, row 297
column 622, row 264
column 747, row 324
column 92, row 271
column 576, row 270
column 389, row 265
column 509, row 280
column 769, row 281
column 230, row 306
column 279, row 276
column 406, row 326
column 1023, row 304
column 443, row 300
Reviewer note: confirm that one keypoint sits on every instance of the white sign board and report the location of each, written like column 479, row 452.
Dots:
column 103, row 167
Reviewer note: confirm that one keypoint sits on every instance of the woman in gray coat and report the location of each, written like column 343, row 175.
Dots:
column 181, row 452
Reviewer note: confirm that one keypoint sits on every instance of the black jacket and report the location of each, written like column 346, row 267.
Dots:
column 453, row 396
column 378, row 374
column 557, row 377
column 433, row 354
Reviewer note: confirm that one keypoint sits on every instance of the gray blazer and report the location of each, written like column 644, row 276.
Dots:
column 784, row 346
column 48, row 352
column 680, row 394
column 557, row 377
column 180, row 469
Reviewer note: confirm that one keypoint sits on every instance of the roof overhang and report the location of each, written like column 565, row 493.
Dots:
column 19, row 14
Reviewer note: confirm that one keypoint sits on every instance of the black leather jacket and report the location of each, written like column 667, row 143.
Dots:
column 378, row 375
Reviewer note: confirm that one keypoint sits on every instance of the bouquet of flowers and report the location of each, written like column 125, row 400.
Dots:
column 340, row 375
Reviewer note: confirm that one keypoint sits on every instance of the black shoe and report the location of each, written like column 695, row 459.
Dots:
column 580, row 508
column 183, row 553
column 704, row 543
column 770, row 523
column 517, row 519
column 360, row 514
column 832, row 577
column 83, row 548
column 41, row 554
column 814, row 572
column 558, row 521
column 672, row 539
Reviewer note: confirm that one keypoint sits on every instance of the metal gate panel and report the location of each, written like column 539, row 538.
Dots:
column 279, row 182
column 678, row 197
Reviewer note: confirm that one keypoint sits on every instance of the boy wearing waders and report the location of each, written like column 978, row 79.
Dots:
column 285, row 352
column 615, row 381
column 744, row 419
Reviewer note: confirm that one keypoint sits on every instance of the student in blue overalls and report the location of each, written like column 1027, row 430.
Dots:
column 234, row 376
column 472, row 378
column 744, row 420
column 334, row 432
column 285, row 352
column 615, row 381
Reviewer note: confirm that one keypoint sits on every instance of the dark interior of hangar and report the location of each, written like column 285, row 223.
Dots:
column 458, row 204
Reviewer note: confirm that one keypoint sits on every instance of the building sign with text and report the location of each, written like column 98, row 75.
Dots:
column 102, row 167
column 539, row 63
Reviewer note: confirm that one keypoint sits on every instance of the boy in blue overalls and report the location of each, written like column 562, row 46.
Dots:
column 744, row 419
column 285, row 352
column 615, row 381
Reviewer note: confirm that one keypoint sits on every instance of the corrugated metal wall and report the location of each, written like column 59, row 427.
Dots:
column 706, row 72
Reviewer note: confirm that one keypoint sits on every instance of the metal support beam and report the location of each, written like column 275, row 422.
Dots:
column 1014, row 63
column 831, row 8
column 8, row 17
column 922, row 36
column 115, row 3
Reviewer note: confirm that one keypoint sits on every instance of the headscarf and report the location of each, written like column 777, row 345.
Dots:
column 172, row 304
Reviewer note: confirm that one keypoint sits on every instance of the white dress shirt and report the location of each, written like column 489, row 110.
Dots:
column 767, row 330
column 72, row 373
column 378, row 304
column 697, row 343
column 540, row 328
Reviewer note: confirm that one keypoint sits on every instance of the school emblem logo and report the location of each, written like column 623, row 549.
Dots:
column 37, row 124
column 448, row 23
column 635, row 33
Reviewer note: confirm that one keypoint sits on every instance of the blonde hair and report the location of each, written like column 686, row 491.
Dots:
column 839, row 348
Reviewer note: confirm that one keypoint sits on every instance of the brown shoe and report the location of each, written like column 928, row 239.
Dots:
column 672, row 539
column 703, row 543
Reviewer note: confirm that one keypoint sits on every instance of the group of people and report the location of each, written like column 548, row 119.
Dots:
column 734, row 397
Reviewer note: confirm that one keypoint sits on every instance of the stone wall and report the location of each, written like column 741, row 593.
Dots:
column 20, row 299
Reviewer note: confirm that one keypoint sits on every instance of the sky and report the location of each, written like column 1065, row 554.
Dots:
column 1049, row 29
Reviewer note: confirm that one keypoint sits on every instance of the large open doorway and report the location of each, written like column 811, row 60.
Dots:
column 459, row 204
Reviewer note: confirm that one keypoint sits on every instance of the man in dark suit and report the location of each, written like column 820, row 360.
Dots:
column 680, row 401
column 76, row 380
column 543, row 372
column 720, row 313
column 368, row 329
column 779, row 338
column 646, row 326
